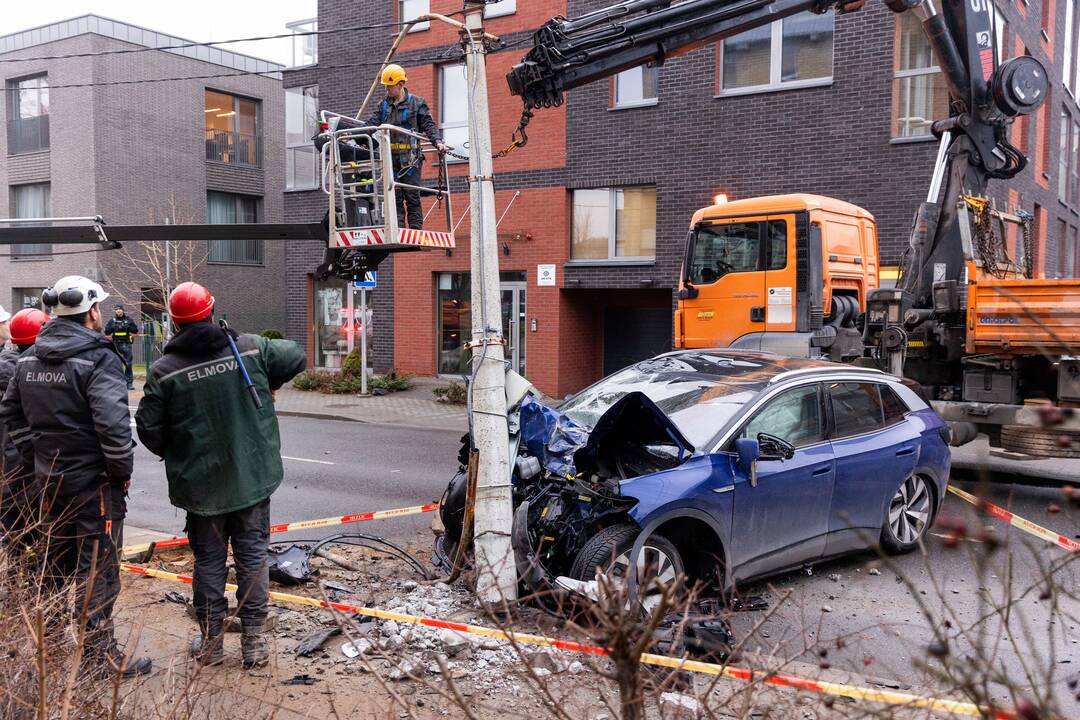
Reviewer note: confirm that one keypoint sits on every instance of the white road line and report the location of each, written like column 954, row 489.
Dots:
column 319, row 462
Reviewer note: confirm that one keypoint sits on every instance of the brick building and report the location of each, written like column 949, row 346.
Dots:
column 605, row 189
column 85, row 135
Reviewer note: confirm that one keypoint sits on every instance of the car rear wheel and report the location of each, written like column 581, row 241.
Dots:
column 609, row 551
column 908, row 516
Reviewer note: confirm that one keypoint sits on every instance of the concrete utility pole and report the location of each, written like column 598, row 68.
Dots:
column 497, row 578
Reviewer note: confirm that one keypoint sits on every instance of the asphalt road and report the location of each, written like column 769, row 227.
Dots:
column 872, row 624
column 332, row 468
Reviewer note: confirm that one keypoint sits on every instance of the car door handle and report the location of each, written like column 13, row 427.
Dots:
column 822, row 471
column 905, row 451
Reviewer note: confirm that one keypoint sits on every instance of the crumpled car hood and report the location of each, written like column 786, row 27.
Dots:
column 566, row 448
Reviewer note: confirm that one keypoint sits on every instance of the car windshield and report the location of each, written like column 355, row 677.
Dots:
column 723, row 249
column 699, row 392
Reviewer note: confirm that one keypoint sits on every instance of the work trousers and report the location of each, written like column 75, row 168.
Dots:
column 248, row 531
column 124, row 348
column 87, row 530
column 409, row 208
column 20, row 507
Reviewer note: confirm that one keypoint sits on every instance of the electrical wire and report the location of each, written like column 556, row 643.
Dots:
column 369, row 541
column 51, row 254
column 212, row 43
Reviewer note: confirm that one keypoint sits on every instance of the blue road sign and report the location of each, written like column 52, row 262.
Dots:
column 369, row 280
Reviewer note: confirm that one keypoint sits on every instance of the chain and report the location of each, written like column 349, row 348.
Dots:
column 520, row 138
column 986, row 243
column 1029, row 242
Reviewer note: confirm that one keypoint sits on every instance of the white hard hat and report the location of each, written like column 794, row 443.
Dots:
column 4, row 315
column 72, row 295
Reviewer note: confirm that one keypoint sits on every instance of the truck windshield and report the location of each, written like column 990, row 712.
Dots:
column 723, row 249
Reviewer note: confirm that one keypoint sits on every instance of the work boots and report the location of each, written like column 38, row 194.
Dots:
column 254, row 647
column 207, row 649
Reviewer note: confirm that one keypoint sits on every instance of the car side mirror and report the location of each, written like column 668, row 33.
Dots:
column 774, row 448
column 749, row 450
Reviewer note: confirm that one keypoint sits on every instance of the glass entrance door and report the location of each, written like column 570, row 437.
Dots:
column 513, row 317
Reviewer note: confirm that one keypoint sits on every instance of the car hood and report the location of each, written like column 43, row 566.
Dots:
column 566, row 448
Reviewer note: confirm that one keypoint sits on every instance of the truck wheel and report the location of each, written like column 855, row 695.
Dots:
column 1041, row 442
column 609, row 551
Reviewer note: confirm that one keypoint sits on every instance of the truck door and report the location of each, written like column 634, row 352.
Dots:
column 724, row 263
column 779, row 265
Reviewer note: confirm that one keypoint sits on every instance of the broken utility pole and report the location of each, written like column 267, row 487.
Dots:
column 494, row 556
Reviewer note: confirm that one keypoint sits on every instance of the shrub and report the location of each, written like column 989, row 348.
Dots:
column 309, row 380
column 391, row 382
column 343, row 385
column 272, row 334
column 350, row 366
column 452, row 394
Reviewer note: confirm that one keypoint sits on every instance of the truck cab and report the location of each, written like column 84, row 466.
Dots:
column 784, row 273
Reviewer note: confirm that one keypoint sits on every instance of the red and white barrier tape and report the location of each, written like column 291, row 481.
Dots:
column 735, row 673
column 300, row 525
column 1027, row 526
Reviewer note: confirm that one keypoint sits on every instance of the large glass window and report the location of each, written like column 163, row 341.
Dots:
column 795, row 50
column 856, row 409
column 455, row 322
column 28, row 115
column 30, row 201
column 230, row 209
column 1064, row 158
column 412, row 9
column 793, row 416
column 305, row 43
column 922, row 95
column 454, row 109
column 636, row 86
column 232, row 129
column 301, row 124
column 737, row 247
column 614, row 224
column 22, row 298
column 330, row 305
column 1070, row 9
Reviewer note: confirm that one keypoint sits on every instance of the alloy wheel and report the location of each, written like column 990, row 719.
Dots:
column 909, row 510
column 652, row 564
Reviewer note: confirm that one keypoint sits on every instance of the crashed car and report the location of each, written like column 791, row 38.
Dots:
column 723, row 466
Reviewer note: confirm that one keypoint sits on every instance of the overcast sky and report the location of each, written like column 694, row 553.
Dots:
column 198, row 20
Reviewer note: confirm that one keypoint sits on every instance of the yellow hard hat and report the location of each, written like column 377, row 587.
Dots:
column 393, row 74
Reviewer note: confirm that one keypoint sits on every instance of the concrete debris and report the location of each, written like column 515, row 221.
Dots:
column 576, row 668
column 826, row 608
column 545, row 661
column 677, row 705
column 409, row 585
column 874, row 571
column 834, row 577
column 454, row 642
column 315, row 641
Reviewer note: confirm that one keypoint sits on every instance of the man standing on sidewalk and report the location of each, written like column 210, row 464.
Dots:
column 222, row 458
column 121, row 330
column 67, row 401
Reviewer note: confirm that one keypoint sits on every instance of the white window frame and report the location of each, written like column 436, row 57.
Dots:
column 1001, row 23
column 305, row 144
column 776, row 63
column 443, row 124
column 1070, row 16
column 901, row 75
column 309, row 25
column 418, row 27
column 644, row 102
column 612, row 258
column 500, row 8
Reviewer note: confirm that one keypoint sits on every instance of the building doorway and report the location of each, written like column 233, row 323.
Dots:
column 454, row 321
column 513, row 319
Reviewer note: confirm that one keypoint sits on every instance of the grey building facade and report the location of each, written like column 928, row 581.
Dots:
column 97, row 121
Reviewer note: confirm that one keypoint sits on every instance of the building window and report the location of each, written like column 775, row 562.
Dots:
column 28, row 115
column 30, row 201
column 301, row 124
column 637, row 86
column 22, row 298
column 454, row 109
column 792, row 52
column 1063, row 158
column 232, row 129
column 411, row 9
column 1066, row 63
column 500, row 8
column 614, row 224
column 1001, row 39
column 305, row 43
column 919, row 85
column 230, row 209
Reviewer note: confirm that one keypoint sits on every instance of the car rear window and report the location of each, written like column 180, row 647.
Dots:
column 894, row 407
column 856, row 408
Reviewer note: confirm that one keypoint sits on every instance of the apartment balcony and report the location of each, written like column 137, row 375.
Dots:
column 27, row 135
column 234, row 148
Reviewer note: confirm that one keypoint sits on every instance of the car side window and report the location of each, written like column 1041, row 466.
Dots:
column 894, row 407
column 856, row 408
column 794, row 416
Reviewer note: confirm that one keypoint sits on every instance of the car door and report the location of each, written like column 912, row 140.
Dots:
column 875, row 450
column 782, row 520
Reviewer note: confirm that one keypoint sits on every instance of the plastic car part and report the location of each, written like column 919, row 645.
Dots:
column 703, row 636
column 289, row 566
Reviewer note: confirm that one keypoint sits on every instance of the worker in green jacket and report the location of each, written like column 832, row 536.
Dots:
column 222, row 459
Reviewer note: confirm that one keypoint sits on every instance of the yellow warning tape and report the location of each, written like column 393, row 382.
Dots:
column 1066, row 543
column 735, row 673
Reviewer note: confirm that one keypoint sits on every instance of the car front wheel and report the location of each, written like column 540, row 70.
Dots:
column 908, row 517
column 609, row 551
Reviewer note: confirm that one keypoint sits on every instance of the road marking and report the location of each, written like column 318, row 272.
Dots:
column 1063, row 542
column 319, row 462
column 821, row 687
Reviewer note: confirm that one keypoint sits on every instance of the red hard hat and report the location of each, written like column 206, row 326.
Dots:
column 24, row 326
column 190, row 302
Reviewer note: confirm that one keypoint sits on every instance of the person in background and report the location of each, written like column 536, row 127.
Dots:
column 121, row 330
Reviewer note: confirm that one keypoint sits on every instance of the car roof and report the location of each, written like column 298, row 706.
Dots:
column 766, row 368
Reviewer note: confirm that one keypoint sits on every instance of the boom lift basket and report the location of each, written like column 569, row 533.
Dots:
column 359, row 177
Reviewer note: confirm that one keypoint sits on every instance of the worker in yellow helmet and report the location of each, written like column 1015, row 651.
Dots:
column 402, row 108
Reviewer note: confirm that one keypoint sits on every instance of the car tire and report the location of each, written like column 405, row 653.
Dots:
column 908, row 516
column 612, row 546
